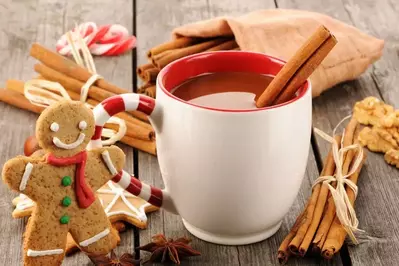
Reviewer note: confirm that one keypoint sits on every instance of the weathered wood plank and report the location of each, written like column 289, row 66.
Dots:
column 378, row 181
column 155, row 20
column 380, row 19
column 25, row 22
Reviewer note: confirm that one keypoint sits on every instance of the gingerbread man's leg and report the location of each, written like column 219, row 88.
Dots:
column 45, row 239
column 92, row 230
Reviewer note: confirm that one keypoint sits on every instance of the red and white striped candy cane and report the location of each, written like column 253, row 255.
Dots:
column 110, row 107
column 104, row 40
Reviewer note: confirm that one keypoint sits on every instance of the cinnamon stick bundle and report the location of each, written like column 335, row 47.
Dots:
column 337, row 233
column 135, row 127
column 189, row 50
column 329, row 212
column 174, row 44
column 69, row 68
column 151, row 91
column 228, row 45
column 165, row 53
column 67, row 71
column 143, row 87
column 71, row 84
column 315, row 224
column 150, row 75
column 295, row 72
column 140, row 69
column 314, row 209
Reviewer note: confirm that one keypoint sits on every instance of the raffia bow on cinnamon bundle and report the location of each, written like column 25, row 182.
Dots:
column 318, row 228
column 73, row 78
column 163, row 54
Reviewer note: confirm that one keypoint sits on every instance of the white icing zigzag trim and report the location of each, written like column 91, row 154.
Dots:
column 39, row 253
column 121, row 193
column 95, row 238
column 25, row 177
column 108, row 162
column 57, row 142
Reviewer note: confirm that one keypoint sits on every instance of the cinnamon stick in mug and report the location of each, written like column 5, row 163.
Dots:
column 306, row 70
column 290, row 69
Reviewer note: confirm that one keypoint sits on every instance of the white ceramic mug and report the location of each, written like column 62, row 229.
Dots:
column 232, row 175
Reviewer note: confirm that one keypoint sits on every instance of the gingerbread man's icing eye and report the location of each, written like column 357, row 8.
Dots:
column 82, row 125
column 54, row 127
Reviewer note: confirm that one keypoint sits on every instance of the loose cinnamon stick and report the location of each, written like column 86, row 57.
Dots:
column 69, row 68
column 140, row 69
column 134, row 129
column 179, row 53
column 306, row 70
column 329, row 212
column 15, row 99
column 337, row 233
column 297, row 240
column 283, row 251
column 292, row 66
column 328, row 170
column 174, row 44
column 228, row 45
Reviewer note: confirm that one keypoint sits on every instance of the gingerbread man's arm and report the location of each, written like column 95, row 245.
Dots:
column 102, row 164
column 17, row 173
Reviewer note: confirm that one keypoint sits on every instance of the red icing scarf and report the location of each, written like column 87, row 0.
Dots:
column 83, row 191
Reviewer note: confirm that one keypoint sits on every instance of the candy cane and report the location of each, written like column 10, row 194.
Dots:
column 104, row 40
column 102, row 112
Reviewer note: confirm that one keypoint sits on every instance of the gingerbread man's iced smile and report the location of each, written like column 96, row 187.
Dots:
column 57, row 142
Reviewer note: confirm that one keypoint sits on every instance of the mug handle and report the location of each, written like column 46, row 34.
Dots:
column 110, row 107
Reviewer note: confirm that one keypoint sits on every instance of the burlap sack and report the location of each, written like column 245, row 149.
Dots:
column 280, row 32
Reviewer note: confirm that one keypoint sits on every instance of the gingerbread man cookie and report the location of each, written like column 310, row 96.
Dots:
column 62, row 184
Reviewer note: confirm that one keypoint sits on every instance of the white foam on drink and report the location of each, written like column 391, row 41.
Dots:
column 227, row 100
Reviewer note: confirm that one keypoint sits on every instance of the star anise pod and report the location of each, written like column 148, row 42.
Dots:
column 164, row 250
column 126, row 259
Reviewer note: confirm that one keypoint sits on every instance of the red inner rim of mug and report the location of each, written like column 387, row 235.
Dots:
column 191, row 66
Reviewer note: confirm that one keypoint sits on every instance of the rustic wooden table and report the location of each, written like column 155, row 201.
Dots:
column 44, row 21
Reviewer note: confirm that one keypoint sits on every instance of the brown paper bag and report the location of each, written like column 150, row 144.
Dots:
column 280, row 32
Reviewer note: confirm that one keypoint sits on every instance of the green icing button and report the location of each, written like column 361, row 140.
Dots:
column 66, row 181
column 64, row 219
column 66, row 201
